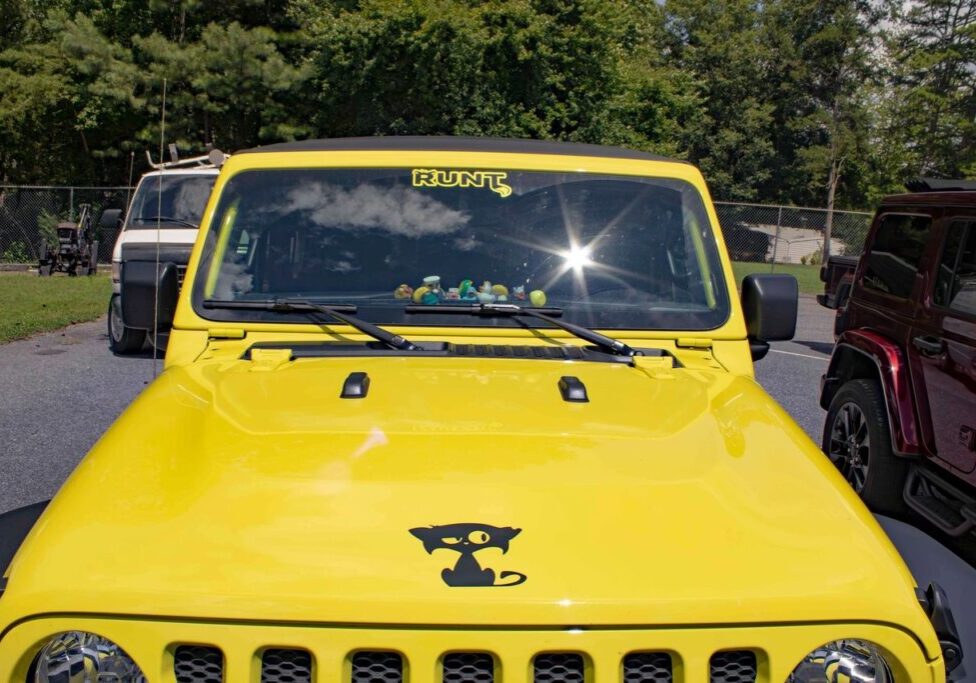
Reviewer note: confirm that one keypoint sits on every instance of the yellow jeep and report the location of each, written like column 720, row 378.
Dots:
column 464, row 411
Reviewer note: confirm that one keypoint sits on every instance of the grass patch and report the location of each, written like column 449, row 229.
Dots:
column 30, row 304
column 808, row 277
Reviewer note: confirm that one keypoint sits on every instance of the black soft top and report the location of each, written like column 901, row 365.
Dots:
column 445, row 143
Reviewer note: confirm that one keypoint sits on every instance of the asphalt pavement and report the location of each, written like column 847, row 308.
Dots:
column 791, row 370
column 58, row 393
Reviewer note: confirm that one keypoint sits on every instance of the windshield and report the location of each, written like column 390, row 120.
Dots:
column 610, row 251
column 182, row 200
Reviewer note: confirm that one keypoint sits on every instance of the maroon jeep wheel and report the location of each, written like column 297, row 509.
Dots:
column 858, row 441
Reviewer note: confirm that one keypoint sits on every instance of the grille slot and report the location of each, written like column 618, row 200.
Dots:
column 733, row 666
column 198, row 664
column 286, row 666
column 377, row 667
column 648, row 667
column 558, row 667
column 180, row 274
column 469, row 667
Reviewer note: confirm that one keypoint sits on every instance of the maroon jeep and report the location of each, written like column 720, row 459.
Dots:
column 900, row 391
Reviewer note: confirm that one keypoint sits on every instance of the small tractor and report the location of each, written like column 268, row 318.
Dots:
column 76, row 248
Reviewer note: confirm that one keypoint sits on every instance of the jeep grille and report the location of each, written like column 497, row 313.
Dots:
column 734, row 666
column 286, row 666
column 647, row 667
column 468, row 667
column 559, row 667
column 377, row 667
column 196, row 664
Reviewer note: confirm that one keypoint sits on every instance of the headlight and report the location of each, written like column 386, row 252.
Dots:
column 79, row 657
column 116, row 271
column 856, row 661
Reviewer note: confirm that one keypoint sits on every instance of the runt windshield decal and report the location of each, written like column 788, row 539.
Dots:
column 493, row 180
column 466, row 540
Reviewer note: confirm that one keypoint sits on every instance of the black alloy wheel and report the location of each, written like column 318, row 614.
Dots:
column 857, row 440
column 850, row 445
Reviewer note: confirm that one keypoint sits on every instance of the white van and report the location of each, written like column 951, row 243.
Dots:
column 166, row 208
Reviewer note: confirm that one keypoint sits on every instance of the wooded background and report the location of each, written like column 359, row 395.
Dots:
column 783, row 101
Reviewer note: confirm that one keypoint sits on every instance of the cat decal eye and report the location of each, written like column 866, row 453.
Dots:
column 432, row 177
column 466, row 539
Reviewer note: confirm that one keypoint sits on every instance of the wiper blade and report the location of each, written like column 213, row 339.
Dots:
column 337, row 311
column 608, row 344
column 165, row 219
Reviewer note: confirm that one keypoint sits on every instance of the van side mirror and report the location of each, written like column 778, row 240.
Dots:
column 769, row 303
column 142, row 281
column 110, row 218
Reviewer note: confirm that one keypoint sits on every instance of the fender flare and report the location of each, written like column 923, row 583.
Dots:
column 892, row 373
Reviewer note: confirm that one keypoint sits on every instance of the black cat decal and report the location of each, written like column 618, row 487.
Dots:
column 466, row 539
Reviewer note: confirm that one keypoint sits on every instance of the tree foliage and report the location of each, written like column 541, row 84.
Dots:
column 798, row 101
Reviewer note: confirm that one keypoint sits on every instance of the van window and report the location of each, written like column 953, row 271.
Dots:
column 895, row 254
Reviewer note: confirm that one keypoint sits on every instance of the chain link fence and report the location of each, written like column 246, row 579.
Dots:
column 24, row 210
column 758, row 233
column 765, row 233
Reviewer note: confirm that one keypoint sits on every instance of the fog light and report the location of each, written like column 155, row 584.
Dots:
column 857, row 661
column 79, row 657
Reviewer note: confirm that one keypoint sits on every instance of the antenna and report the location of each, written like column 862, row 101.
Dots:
column 159, row 213
column 128, row 189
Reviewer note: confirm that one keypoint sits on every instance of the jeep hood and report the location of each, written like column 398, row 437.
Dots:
column 243, row 490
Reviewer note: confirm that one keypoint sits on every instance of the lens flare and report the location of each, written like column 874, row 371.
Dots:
column 578, row 258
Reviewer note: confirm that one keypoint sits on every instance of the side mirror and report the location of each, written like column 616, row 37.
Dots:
column 142, row 281
column 769, row 303
column 110, row 218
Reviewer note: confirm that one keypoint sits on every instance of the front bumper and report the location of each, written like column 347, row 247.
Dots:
column 154, row 644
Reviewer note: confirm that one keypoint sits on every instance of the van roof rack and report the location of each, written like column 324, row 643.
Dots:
column 212, row 159
column 940, row 185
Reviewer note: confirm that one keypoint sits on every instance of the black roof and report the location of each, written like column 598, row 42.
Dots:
column 940, row 185
column 446, row 143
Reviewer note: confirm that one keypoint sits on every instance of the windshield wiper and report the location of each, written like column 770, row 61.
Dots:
column 394, row 341
column 608, row 344
column 165, row 219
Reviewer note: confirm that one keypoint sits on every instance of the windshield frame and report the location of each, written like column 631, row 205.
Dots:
column 684, row 174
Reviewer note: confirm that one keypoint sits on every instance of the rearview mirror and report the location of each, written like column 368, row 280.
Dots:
column 769, row 303
column 110, row 219
column 142, row 281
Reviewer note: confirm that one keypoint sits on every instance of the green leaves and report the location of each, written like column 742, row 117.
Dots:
column 786, row 100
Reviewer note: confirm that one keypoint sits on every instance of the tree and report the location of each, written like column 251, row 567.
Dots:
column 935, row 48
column 822, row 82
column 731, row 139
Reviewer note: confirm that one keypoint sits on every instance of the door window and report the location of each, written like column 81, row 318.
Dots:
column 960, row 289
column 945, row 278
column 895, row 254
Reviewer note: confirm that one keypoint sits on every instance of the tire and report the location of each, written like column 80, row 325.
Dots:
column 857, row 439
column 121, row 339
